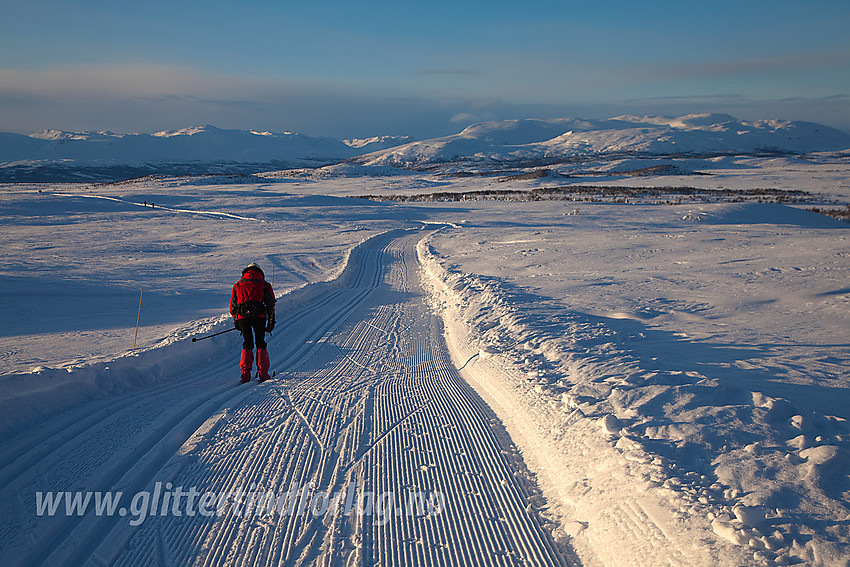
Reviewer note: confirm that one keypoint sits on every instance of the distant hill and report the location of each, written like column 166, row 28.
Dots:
column 366, row 145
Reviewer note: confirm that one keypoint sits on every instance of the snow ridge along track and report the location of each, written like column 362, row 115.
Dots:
column 397, row 461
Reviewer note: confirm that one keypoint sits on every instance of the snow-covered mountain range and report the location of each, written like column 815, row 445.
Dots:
column 567, row 138
column 526, row 141
column 203, row 143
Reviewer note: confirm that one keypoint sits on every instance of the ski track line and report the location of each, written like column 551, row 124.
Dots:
column 365, row 396
column 324, row 327
column 33, row 449
column 160, row 208
column 131, row 472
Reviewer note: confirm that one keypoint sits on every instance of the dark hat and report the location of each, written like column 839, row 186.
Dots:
column 253, row 266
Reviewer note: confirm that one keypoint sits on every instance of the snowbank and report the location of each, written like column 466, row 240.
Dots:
column 643, row 466
column 26, row 398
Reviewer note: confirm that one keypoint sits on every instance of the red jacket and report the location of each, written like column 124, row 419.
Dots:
column 252, row 296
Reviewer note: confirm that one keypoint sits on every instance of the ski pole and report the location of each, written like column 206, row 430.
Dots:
column 196, row 339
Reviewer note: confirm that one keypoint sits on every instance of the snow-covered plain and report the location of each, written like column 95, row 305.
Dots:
column 672, row 377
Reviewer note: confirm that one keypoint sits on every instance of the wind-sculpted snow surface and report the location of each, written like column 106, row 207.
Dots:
column 646, row 464
column 366, row 448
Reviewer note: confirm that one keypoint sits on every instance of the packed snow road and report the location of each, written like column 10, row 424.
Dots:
column 366, row 448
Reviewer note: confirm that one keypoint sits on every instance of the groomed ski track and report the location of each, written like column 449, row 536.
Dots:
column 366, row 406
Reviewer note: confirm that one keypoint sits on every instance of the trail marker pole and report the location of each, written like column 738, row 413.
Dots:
column 138, row 318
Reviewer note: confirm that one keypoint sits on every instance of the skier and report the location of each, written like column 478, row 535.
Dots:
column 252, row 307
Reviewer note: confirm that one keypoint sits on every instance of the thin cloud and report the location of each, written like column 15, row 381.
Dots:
column 688, row 98
column 749, row 66
column 149, row 98
column 146, row 98
column 833, row 98
column 450, row 72
column 131, row 80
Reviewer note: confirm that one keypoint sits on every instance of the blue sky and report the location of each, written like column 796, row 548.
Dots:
column 357, row 69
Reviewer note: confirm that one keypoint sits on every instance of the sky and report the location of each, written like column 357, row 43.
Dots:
column 426, row 68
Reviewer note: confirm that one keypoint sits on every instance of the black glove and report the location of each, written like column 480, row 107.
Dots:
column 270, row 324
